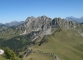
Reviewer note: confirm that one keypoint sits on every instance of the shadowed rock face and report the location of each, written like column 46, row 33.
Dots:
column 55, row 23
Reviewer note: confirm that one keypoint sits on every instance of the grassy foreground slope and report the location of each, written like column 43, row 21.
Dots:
column 2, row 58
column 66, row 44
column 37, row 56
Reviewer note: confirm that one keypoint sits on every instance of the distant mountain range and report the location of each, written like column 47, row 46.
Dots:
column 78, row 20
column 16, row 23
column 13, row 23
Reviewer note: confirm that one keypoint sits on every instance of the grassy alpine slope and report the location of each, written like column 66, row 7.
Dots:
column 66, row 44
column 2, row 58
column 37, row 56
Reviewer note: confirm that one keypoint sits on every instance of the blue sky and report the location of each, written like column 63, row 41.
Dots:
column 19, row 10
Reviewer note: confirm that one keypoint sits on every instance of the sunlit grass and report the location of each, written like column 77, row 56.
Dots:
column 67, row 44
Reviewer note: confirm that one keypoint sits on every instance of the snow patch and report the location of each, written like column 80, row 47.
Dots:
column 1, row 52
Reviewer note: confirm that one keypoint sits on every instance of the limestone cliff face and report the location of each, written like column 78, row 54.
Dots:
column 42, row 22
column 37, row 24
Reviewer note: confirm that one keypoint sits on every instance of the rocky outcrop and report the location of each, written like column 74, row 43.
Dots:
column 58, row 22
column 3, row 27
